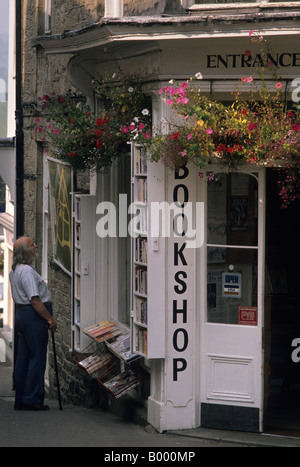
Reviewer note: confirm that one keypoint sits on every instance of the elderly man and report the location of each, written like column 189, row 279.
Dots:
column 33, row 319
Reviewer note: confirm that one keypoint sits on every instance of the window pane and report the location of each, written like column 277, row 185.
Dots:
column 4, row 22
column 232, row 286
column 232, row 209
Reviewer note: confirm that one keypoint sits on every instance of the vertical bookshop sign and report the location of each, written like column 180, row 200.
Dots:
column 180, row 295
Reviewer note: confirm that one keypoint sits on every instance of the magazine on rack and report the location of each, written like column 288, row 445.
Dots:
column 102, row 331
column 121, row 382
column 94, row 362
column 121, row 347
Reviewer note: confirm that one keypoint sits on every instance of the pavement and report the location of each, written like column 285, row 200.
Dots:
column 76, row 426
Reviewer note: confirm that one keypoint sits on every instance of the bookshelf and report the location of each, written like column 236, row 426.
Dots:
column 83, row 267
column 139, row 310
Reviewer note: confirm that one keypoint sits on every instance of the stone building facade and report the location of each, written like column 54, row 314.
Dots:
column 61, row 47
column 46, row 73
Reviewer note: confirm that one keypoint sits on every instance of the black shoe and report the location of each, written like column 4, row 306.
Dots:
column 18, row 407
column 33, row 407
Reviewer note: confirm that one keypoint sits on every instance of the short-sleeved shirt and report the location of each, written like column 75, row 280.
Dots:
column 27, row 283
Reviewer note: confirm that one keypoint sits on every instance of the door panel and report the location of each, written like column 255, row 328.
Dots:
column 232, row 310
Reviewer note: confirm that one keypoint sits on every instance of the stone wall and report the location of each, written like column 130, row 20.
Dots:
column 44, row 73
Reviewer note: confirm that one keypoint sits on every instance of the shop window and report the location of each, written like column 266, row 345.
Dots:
column 232, row 248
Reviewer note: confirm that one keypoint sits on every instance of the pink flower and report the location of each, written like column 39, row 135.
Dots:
column 185, row 100
column 250, row 32
column 147, row 135
column 200, row 174
column 131, row 127
column 37, row 119
column 278, row 85
column 56, row 131
column 183, row 153
column 189, row 136
column 295, row 127
column 141, row 126
column 160, row 91
column 209, row 131
column 169, row 102
column 124, row 129
column 243, row 79
column 249, row 79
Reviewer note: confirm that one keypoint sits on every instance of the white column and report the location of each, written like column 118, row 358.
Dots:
column 113, row 8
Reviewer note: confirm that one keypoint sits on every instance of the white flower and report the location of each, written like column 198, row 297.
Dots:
column 136, row 119
column 130, row 89
column 114, row 75
column 163, row 120
column 145, row 112
column 199, row 75
column 171, row 81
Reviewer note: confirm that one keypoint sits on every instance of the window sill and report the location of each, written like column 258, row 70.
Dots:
column 243, row 6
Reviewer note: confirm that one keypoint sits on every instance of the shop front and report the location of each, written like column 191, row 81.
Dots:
column 204, row 345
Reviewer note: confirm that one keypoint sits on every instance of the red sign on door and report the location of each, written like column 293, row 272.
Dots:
column 248, row 315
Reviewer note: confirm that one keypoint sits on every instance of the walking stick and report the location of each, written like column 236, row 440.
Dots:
column 56, row 372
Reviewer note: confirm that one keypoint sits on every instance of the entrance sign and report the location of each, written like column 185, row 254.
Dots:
column 231, row 285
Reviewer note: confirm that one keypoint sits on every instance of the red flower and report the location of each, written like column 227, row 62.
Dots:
column 175, row 135
column 252, row 126
column 97, row 133
column 71, row 154
column 295, row 127
column 247, row 52
column 101, row 121
column 221, row 147
column 244, row 111
column 98, row 144
column 230, row 150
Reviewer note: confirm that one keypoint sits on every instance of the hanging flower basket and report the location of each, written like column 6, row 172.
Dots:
column 76, row 135
column 257, row 130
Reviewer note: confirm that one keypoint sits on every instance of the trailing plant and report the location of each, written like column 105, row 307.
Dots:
column 257, row 128
column 87, row 141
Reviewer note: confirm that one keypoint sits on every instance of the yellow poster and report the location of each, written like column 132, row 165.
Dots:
column 60, row 177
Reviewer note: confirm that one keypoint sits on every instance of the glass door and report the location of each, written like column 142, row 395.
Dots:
column 231, row 325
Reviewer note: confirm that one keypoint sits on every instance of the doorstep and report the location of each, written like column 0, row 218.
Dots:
column 239, row 437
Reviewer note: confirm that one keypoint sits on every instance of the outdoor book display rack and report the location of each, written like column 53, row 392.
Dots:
column 108, row 359
column 93, row 359
column 117, row 382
